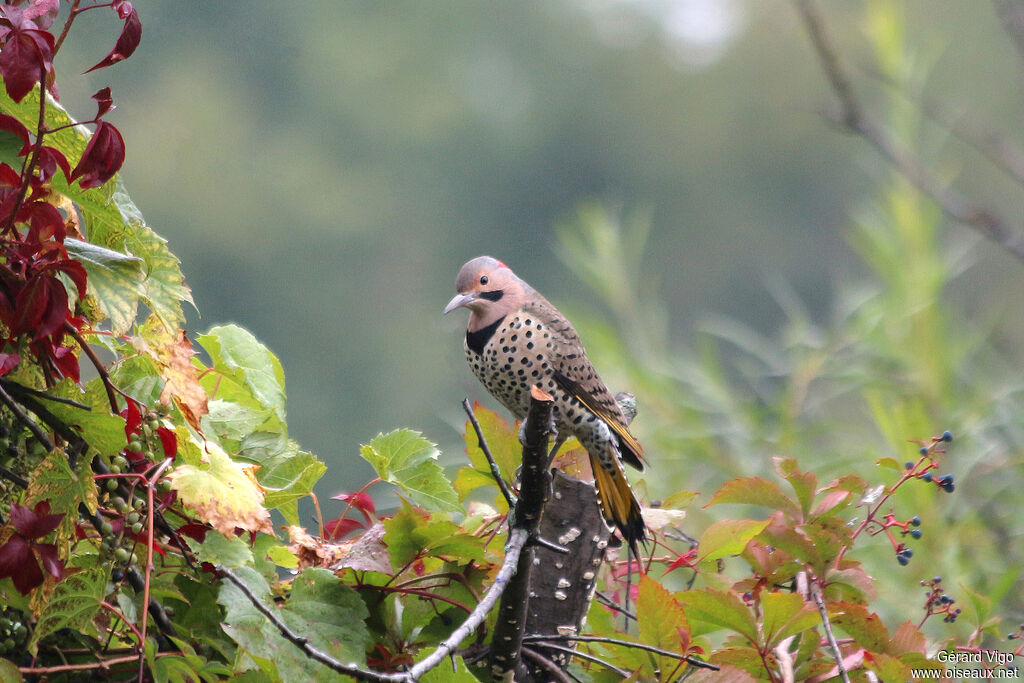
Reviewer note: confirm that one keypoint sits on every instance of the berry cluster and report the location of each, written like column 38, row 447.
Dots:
column 13, row 632
column 922, row 468
column 937, row 602
column 907, row 528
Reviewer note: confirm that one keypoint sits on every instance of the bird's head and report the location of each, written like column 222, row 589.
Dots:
column 489, row 289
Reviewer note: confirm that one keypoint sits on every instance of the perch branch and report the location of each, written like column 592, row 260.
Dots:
column 534, row 486
column 853, row 116
column 699, row 663
column 815, row 591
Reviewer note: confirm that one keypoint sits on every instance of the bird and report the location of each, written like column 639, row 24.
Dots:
column 515, row 339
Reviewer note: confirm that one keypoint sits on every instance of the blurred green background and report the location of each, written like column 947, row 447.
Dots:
column 660, row 169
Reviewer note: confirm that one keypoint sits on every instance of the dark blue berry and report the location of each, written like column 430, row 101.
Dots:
column 947, row 436
column 936, row 579
column 915, row 533
column 924, row 450
column 948, row 487
column 915, row 521
column 909, row 465
column 927, row 476
column 945, row 598
column 902, row 560
column 908, row 553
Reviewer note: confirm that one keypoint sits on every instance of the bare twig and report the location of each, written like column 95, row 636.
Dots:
column 854, row 117
column 815, row 591
column 587, row 656
column 15, row 387
column 699, row 663
column 495, row 470
column 101, row 370
column 557, row 673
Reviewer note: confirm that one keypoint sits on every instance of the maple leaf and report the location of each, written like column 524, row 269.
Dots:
column 222, row 493
column 18, row 556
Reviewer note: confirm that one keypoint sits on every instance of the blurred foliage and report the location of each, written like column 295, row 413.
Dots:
column 897, row 356
column 327, row 167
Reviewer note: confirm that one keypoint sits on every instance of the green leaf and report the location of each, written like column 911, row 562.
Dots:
column 720, row 608
column 321, row 608
column 728, row 537
column 288, row 479
column 803, row 483
column 755, row 491
column 679, row 500
column 409, row 461
column 502, row 440
column 283, row 557
column 103, row 430
column 114, row 279
column 452, row 671
column 9, row 673
column 74, row 603
column 661, row 622
column 890, row 463
column 411, row 533
column 864, row 626
column 236, row 353
column 223, row 551
column 784, row 615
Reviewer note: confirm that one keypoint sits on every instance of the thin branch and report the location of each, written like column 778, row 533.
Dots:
column 21, row 388
column 557, row 673
column 16, row 479
column 700, row 663
column 103, row 664
column 23, row 417
column 587, row 656
column 495, row 470
column 853, row 116
column 815, row 591
column 101, row 370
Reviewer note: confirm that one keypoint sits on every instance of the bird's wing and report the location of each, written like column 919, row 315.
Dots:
column 572, row 370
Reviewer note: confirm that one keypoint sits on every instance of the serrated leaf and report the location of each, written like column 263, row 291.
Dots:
column 803, row 483
column 330, row 614
column 411, row 533
column 661, row 622
column 73, row 604
column 728, row 537
column 236, row 353
column 52, row 480
column 755, row 491
column 406, row 459
column 223, row 551
column 220, row 492
column 105, row 431
column 114, row 279
column 864, row 626
column 907, row 639
column 720, row 608
column 784, row 615
column 288, row 479
column 172, row 351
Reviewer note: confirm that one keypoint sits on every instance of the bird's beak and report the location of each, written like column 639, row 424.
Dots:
column 460, row 301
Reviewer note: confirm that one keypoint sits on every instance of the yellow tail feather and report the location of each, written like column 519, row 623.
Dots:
column 618, row 504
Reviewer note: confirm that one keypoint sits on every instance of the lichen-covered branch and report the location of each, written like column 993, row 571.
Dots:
column 534, row 488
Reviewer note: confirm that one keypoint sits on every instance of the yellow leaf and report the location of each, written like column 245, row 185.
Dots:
column 221, row 492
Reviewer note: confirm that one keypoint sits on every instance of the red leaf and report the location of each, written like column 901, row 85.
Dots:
column 45, row 222
column 132, row 417
column 104, row 102
column 27, row 53
column 34, row 523
column 9, row 177
column 76, row 271
column 360, row 501
column 40, row 307
column 49, row 160
column 194, row 531
column 47, row 553
column 13, row 555
column 169, row 441
column 102, row 158
column 129, row 39
column 66, row 361
column 42, row 12
column 8, row 361
column 16, row 127
column 339, row 528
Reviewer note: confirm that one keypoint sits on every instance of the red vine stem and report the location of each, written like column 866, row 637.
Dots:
column 150, row 491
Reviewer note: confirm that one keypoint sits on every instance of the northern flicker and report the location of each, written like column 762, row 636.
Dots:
column 516, row 339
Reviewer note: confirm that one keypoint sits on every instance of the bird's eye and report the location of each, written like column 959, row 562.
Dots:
column 483, row 279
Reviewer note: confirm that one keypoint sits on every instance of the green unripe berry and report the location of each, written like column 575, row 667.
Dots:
column 137, row 528
column 133, row 517
column 138, row 503
column 115, row 468
column 111, row 485
column 106, row 528
column 120, row 461
column 9, row 644
column 121, row 555
column 163, row 486
column 135, row 445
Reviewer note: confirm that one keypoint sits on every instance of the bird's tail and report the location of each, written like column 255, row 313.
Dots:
column 618, row 504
